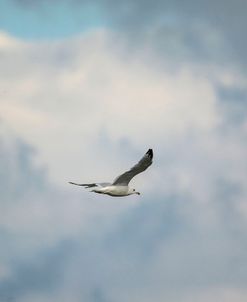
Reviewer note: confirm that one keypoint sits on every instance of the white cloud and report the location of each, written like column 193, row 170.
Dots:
column 70, row 91
column 82, row 103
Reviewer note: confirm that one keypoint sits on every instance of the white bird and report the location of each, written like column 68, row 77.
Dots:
column 120, row 186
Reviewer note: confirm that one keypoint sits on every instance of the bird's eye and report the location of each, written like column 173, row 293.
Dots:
column 133, row 189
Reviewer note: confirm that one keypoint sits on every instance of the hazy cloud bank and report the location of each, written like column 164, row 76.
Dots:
column 73, row 107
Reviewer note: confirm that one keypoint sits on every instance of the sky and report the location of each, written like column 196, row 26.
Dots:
column 87, row 87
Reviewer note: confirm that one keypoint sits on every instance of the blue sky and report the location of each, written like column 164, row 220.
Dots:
column 48, row 20
column 86, row 89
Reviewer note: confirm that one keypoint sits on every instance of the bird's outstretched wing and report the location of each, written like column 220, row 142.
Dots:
column 141, row 166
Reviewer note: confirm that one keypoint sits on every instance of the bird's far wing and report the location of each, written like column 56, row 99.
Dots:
column 83, row 185
column 102, row 184
column 141, row 166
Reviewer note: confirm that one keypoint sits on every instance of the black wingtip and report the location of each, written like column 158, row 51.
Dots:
column 71, row 183
column 150, row 153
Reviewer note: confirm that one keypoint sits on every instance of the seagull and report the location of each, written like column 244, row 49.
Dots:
column 120, row 186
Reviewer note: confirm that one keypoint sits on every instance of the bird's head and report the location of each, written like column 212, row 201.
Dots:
column 133, row 191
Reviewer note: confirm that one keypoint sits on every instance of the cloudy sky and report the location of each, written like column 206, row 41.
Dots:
column 86, row 88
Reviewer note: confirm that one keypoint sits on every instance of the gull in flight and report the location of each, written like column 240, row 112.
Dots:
column 120, row 186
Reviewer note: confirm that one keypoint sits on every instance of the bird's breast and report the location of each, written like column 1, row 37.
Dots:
column 116, row 190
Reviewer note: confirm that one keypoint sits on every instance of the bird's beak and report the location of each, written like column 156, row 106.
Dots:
column 138, row 193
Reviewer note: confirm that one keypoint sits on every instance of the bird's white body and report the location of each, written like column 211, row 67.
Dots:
column 114, row 190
